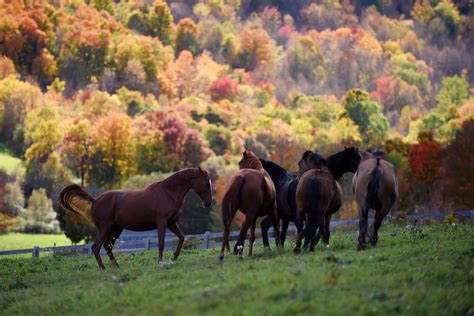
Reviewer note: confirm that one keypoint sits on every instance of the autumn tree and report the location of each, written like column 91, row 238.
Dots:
column 224, row 88
column 187, row 33
column 112, row 150
column 77, row 148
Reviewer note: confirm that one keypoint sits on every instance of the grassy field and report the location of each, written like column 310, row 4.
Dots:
column 24, row 241
column 427, row 271
column 7, row 161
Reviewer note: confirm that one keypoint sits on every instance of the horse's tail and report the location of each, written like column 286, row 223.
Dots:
column 75, row 199
column 231, row 200
column 373, row 186
column 230, row 205
column 315, row 212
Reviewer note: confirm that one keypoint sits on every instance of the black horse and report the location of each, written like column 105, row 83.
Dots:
column 285, row 185
column 286, row 182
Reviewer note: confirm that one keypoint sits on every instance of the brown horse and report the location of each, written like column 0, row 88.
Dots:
column 157, row 206
column 374, row 186
column 318, row 195
column 252, row 192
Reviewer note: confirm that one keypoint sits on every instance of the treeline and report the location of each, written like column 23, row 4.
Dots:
column 114, row 95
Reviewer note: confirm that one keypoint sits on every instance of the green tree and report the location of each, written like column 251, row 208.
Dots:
column 219, row 138
column 454, row 91
column 160, row 21
column 187, row 33
column 372, row 123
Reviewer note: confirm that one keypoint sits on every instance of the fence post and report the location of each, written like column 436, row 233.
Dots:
column 36, row 252
column 89, row 249
column 147, row 244
column 207, row 238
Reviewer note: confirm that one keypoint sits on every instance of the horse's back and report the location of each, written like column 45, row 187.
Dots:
column 387, row 185
column 258, row 188
column 315, row 184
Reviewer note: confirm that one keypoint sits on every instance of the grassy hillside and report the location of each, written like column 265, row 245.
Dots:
column 424, row 271
column 8, row 162
column 25, row 241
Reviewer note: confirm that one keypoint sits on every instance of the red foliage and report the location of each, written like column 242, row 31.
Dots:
column 425, row 162
column 224, row 88
column 459, row 159
column 285, row 32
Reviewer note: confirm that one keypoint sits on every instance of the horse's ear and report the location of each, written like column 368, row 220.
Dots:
column 245, row 154
column 306, row 153
column 201, row 172
column 345, row 147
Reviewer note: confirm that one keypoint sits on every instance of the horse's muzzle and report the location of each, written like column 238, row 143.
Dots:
column 206, row 204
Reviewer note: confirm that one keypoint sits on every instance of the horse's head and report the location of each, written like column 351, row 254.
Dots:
column 311, row 160
column 351, row 158
column 250, row 161
column 203, row 187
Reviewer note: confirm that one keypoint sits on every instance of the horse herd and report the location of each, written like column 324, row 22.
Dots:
column 260, row 188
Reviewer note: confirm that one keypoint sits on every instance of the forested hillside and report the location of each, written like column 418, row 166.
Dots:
column 117, row 94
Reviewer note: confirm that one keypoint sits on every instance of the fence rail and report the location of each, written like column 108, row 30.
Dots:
column 206, row 240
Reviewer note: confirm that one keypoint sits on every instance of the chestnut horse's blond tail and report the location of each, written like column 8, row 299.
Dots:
column 76, row 200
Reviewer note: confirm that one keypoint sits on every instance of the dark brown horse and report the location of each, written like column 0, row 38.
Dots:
column 346, row 160
column 251, row 191
column 157, row 206
column 375, row 186
column 317, row 193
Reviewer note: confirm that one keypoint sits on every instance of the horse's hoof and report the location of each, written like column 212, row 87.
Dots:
column 297, row 251
column 221, row 258
column 361, row 247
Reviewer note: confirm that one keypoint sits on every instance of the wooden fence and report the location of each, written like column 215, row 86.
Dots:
column 206, row 240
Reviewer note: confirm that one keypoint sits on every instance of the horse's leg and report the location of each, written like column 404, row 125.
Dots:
column 265, row 225
column 225, row 241
column 239, row 246
column 299, row 231
column 177, row 231
column 284, row 229
column 161, row 228
column 317, row 220
column 276, row 225
column 363, row 218
column 102, row 235
column 252, row 236
column 379, row 216
column 109, row 244
column 327, row 232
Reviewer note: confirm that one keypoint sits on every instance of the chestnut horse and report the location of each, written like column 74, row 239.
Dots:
column 375, row 186
column 251, row 191
column 158, row 206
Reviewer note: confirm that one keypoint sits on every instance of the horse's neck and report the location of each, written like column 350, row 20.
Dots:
column 334, row 166
column 177, row 186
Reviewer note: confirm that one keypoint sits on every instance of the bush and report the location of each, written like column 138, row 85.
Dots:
column 40, row 216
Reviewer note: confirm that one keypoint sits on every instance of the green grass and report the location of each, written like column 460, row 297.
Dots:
column 24, row 241
column 8, row 162
column 427, row 272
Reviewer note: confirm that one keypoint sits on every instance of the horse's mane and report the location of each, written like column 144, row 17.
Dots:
column 179, row 177
column 250, row 161
column 273, row 165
